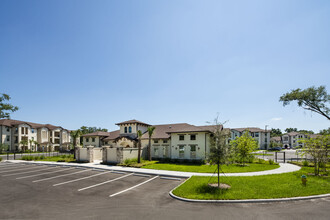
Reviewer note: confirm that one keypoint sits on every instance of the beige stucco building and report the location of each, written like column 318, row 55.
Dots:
column 40, row 137
column 174, row 141
column 260, row 135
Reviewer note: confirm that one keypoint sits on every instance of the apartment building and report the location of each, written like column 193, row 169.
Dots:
column 175, row 141
column 260, row 135
column 40, row 137
column 292, row 139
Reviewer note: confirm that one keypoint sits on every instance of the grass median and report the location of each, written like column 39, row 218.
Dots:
column 60, row 158
column 256, row 187
column 232, row 168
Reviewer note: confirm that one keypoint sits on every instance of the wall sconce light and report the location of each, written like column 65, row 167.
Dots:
column 198, row 148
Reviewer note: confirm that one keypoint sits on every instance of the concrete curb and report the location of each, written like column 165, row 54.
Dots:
column 246, row 200
column 284, row 168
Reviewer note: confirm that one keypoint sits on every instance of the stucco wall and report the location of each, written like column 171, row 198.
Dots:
column 83, row 154
column 97, row 153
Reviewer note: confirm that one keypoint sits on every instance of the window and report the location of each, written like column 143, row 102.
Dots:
column 8, row 138
column 286, row 138
column 181, row 137
column 87, row 140
column 164, row 141
column 32, row 130
column 32, row 138
column 22, row 130
column 156, row 151
column 192, row 147
column 256, row 134
column 93, row 139
column 7, row 129
column 192, row 151
column 181, row 151
column 156, row 141
column 16, row 140
column 26, row 130
column 16, row 130
column 125, row 129
column 129, row 129
column 193, row 137
column 265, row 139
column 252, row 134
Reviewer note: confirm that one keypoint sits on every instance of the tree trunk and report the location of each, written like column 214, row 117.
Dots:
column 139, row 152
column 149, row 149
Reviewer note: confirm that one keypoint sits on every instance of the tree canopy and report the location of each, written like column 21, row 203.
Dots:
column 288, row 130
column 325, row 131
column 312, row 99
column 6, row 108
column 275, row 132
column 87, row 130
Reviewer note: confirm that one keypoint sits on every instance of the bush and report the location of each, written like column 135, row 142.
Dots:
column 260, row 161
column 271, row 162
column 305, row 163
column 42, row 157
column 0, row 158
column 36, row 158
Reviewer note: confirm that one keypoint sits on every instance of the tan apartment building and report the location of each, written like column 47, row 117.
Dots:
column 260, row 135
column 175, row 141
column 40, row 137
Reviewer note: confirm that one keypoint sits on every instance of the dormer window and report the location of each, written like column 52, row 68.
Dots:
column 125, row 129
column 129, row 129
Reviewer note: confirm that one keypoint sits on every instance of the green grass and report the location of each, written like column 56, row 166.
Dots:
column 233, row 168
column 134, row 163
column 61, row 158
column 256, row 187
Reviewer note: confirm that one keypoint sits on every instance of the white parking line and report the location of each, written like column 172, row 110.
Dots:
column 12, row 174
column 81, row 171
column 109, row 181
column 40, row 174
column 82, row 178
column 15, row 169
column 133, row 187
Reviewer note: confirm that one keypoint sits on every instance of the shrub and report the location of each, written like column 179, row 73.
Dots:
column 42, row 157
column 36, row 158
column 251, row 159
column 0, row 158
column 305, row 163
column 271, row 162
column 261, row 161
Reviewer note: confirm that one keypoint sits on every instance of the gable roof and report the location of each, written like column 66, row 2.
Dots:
column 132, row 122
column 251, row 129
column 112, row 135
column 11, row 123
column 97, row 133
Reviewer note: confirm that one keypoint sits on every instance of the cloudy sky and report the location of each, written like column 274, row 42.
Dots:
column 96, row 63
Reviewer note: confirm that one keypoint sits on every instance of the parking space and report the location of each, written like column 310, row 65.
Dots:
column 76, row 193
column 106, row 183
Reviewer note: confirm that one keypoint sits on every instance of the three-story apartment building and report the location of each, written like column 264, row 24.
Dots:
column 41, row 137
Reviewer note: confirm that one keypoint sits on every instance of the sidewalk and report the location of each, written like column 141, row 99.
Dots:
column 284, row 168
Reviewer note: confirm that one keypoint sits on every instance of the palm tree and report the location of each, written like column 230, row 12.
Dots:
column 36, row 145
column 75, row 134
column 31, row 142
column 139, row 133
column 24, row 142
column 150, row 132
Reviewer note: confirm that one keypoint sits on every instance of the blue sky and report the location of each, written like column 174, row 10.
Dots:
column 96, row 63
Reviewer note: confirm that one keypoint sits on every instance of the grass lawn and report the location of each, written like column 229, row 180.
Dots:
column 256, row 187
column 61, row 158
column 233, row 168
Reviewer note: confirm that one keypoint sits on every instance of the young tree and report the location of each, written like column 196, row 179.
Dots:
column 244, row 146
column 318, row 148
column 4, row 147
column 275, row 132
column 219, row 147
column 312, row 99
column 31, row 142
column 288, row 130
column 36, row 143
column 139, row 133
column 150, row 133
column 6, row 108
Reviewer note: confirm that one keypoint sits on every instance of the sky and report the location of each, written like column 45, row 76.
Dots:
column 96, row 63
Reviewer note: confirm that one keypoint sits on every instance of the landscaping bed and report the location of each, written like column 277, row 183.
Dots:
column 256, row 187
column 60, row 158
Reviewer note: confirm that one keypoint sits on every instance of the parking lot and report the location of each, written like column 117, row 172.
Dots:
column 30, row 191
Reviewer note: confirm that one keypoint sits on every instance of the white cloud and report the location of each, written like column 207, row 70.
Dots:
column 276, row 119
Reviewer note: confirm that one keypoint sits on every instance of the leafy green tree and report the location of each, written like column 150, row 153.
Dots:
column 150, row 133
column 288, row 130
column 75, row 135
column 325, row 131
column 4, row 147
column 275, row 132
column 87, row 130
column 312, row 99
column 244, row 146
column 139, row 133
column 318, row 148
column 31, row 142
column 6, row 108
column 306, row 131
column 220, row 151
